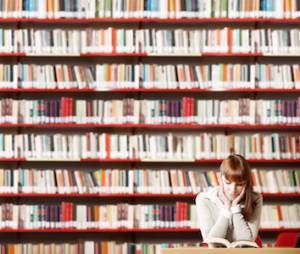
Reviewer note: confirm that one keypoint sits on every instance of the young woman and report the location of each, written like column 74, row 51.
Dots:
column 231, row 210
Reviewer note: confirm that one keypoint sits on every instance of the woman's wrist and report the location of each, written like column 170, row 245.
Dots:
column 226, row 213
column 227, row 206
column 235, row 209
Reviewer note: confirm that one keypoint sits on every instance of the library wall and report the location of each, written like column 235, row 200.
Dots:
column 114, row 114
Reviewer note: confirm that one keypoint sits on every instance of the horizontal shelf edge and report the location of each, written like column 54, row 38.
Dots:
column 145, row 160
column 149, row 20
column 150, row 90
column 114, row 54
column 137, row 230
column 124, row 195
column 154, row 126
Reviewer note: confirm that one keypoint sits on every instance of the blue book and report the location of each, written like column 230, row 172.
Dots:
column 29, row 6
column 266, row 5
column 149, row 5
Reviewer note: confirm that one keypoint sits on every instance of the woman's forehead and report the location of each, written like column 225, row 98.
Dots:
column 232, row 181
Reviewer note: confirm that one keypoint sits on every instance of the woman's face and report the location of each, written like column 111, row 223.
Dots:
column 232, row 189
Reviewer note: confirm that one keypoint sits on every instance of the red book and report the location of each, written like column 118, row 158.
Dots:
column 67, row 107
column 71, row 107
column 182, row 213
column 89, row 108
column 229, row 40
column 186, row 212
column 63, row 212
column 71, row 212
column 114, row 39
column 62, row 107
column 107, row 144
column 184, row 105
column 192, row 107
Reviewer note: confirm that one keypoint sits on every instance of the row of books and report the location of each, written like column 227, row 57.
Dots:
column 148, row 147
column 91, row 247
column 81, row 216
column 274, row 216
column 124, row 215
column 150, row 8
column 151, row 181
column 183, row 76
column 185, row 110
column 150, row 41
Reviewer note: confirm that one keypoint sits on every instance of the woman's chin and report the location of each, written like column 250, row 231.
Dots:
column 231, row 198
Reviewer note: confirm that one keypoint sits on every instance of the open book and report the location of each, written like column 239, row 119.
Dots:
column 224, row 243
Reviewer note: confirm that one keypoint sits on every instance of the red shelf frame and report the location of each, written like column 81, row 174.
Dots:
column 281, row 195
column 148, row 20
column 255, row 161
column 2, row 54
column 127, row 230
column 70, row 160
column 231, row 54
column 148, row 90
column 137, row 160
column 124, row 195
column 155, row 126
column 114, row 54
column 42, row 90
column 111, row 160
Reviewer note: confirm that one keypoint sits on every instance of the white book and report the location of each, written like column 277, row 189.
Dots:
column 222, row 242
column 41, row 9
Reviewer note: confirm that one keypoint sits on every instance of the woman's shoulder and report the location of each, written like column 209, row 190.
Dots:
column 257, row 197
column 207, row 196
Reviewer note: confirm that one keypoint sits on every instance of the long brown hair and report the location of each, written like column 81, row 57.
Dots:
column 236, row 169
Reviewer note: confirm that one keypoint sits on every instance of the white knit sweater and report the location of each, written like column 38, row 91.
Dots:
column 215, row 220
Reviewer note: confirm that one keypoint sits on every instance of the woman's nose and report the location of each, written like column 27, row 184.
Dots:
column 233, row 188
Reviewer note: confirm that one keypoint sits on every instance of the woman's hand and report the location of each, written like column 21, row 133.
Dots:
column 226, row 202
column 238, row 198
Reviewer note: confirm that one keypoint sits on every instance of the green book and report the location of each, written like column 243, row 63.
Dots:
column 292, row 180
column 108, row 8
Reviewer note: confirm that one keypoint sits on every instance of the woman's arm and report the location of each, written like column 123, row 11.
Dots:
column 247, row 230
column 208, row 225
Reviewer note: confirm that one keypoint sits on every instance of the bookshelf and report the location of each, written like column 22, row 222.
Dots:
column 187, row 196
column 148, row 20
column 138, row 230
column 228, row 127
column 161, row 92
column 149, row 90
